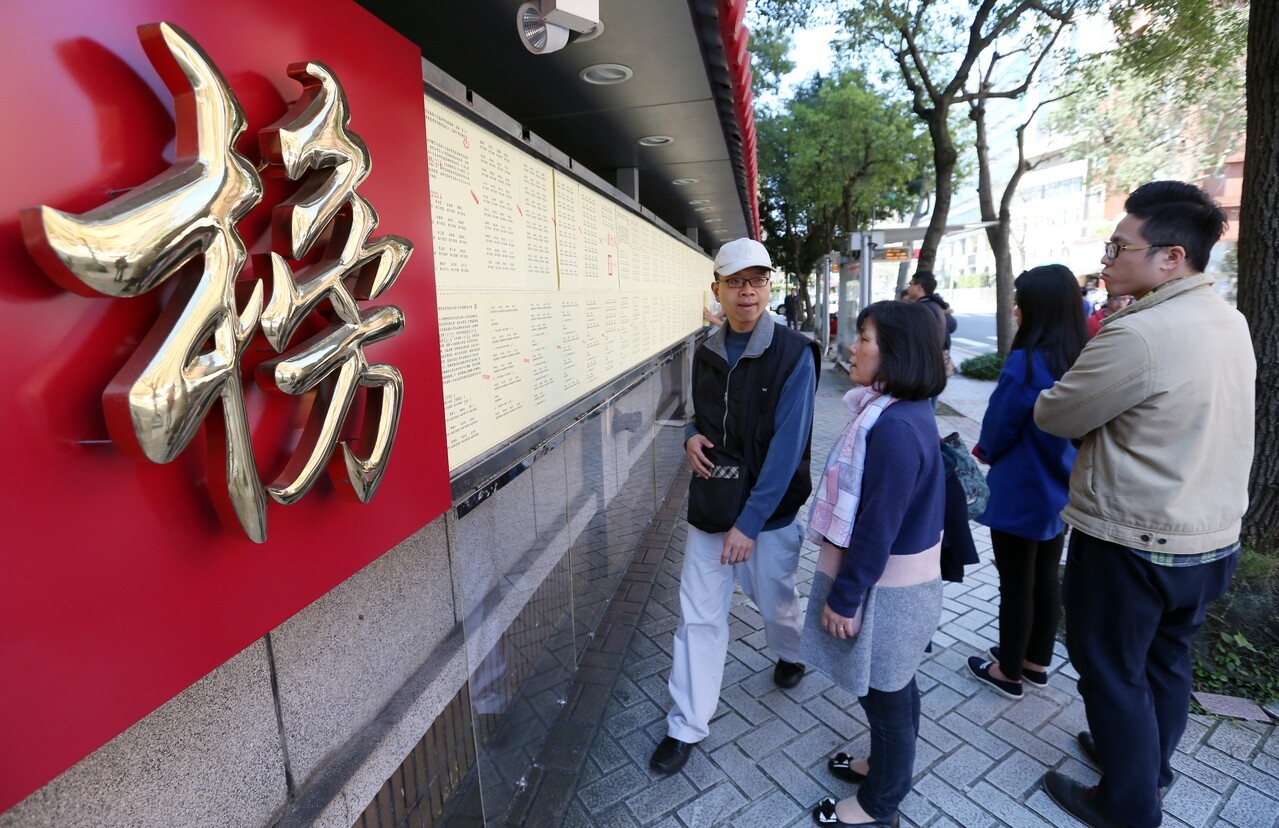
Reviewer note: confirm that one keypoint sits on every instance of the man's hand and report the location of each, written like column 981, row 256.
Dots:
column 737, row 547
column 693, row 448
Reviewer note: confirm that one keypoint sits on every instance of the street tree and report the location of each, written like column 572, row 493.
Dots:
column 934, row 46
column 839, row 157
column 1258, row 266
column 1017, row 64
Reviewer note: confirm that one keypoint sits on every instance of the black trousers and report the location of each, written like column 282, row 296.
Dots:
column 1129, row 627
column 1029, row 599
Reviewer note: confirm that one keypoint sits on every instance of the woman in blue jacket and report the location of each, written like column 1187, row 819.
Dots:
column 1028, row 479
column 877, row 512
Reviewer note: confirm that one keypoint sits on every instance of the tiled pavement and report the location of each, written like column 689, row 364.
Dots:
column 980, row 755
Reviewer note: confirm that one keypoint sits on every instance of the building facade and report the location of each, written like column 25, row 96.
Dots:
column 348, row 345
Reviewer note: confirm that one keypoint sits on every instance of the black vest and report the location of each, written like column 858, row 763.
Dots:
column 737, row 409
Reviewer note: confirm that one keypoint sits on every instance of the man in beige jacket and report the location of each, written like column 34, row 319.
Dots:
column 1161, row 404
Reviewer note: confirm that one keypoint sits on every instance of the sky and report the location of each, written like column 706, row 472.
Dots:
column 811, row 53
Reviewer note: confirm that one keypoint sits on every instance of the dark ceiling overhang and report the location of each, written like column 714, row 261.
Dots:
column 691, row 83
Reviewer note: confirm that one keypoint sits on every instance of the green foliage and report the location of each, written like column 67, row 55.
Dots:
column 770, row 46
column 789, row 14
column 837, row 156
column 1237, row 653
column 975, row 280
column 1134, row 127
column 984, row 367
column 1234, row 667
column 1181, row 43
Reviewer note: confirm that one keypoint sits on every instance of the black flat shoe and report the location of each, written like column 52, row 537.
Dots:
column 841, row 767
column 1039, row 678
column 670, row 756
column 787, row 673
column 981, row 671
column 824, row 814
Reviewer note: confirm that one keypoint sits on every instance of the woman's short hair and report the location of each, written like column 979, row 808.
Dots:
column 911, row 365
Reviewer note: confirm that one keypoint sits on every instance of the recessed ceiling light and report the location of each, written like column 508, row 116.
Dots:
column 700, row 201
column 604, row 74
column 655, row 140
column 683, row 182
column 702, row 209
column 712, row 221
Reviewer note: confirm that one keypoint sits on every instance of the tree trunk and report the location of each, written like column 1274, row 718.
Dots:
column 945, row 157
column 1258, row 267
column 999, row 234
column 903, row 269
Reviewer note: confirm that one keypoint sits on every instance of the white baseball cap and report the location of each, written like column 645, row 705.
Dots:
column 739, row 254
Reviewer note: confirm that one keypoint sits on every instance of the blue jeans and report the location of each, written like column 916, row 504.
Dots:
column 1129, row 627
column 894, row 729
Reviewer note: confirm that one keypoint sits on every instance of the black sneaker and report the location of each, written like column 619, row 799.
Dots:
column 1039, row 678
column 787, row 673
column 981, row 671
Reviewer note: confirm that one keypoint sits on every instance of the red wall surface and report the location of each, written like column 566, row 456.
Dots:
column 119, row 584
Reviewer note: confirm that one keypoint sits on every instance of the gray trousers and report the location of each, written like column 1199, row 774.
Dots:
column 705, row 596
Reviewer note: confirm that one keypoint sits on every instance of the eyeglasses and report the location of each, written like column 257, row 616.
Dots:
column 736, row 282
column 1113, row 249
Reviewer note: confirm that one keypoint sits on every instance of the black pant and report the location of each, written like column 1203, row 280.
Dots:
column 1129, row 627
column 1029, row 599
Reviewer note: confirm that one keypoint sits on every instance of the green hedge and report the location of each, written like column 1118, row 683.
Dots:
column 984, row 367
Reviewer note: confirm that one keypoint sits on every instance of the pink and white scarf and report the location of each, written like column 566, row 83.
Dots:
column 834, row 508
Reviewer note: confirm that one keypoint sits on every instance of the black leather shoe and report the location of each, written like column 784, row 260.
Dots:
column 670, row 756
column 788, row 673
column 1089, row 747
column 824, row 814
column 1077, row 800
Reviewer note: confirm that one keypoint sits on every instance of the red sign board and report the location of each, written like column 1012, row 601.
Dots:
column 121, row 584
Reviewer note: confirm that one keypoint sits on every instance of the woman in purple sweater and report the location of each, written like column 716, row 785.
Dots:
column 1028, row 479
column 877, row 513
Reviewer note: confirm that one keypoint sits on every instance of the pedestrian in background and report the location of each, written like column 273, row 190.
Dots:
column 1028, row 480
column 748, row 445
column 1162, row 402
column 877, row 592
column 791, row 304
column 1114, row 304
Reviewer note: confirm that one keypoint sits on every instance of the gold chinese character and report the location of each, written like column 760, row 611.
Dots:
column 312, row 141
column 136, row 242
column 182, row 225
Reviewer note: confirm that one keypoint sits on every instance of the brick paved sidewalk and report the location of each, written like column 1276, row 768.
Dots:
column 980, row 755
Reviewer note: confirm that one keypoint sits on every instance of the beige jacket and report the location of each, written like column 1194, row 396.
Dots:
column 1162, row 400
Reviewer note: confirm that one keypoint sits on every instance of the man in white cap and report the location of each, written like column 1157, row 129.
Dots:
column 749, row 447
